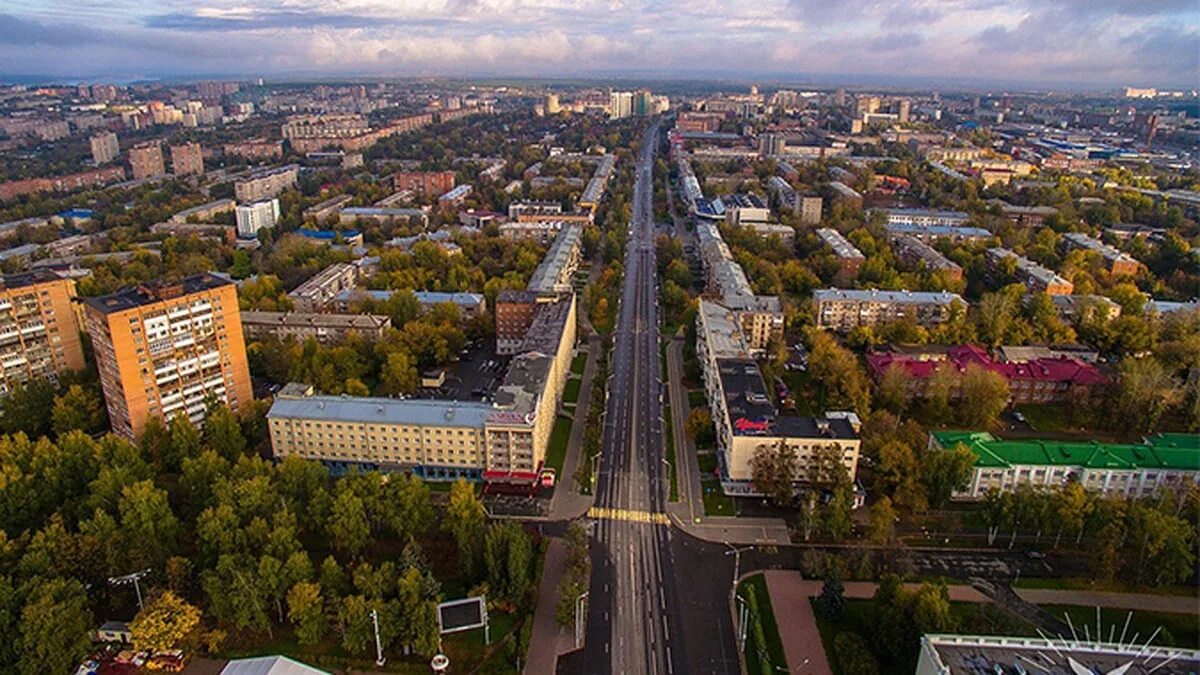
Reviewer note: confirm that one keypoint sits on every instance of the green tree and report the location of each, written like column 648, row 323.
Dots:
column 840, row 375
column 408, row 509
column 418, row 612
column 223, row 432
column 853, row 655
column 893, row 390
column 348, row 525
column 465, row 519
column 185, row 442
column 508, row 555
column 148, row 522
column 947, row 471
column 881, row 529
column 27, row 408
column 78, row 408
column 838, row 515
column 832, row 600
column 306, row 611
column 898, row 474
column 1145, row 391
column 55, row 624
column 700, row 426
column 773, row 471
column 354, row 616
column 984, row 396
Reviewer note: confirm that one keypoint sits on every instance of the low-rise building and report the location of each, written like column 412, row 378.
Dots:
column 555, row 274
column 932, row 233
column 849, row 258
column 205, row 212
column 1069, row 308
column 953, row 654
column 845, row 309
column 455, row 196
column 914, row 252
column 1132, row 470
column 315, row 294
column 1025, row 215
column 351, row 215
column 840, row 192
column 324, row 328
column 255, row 149
column 537, row 230
column 1035, row 277
column 926, row 217
column 348, row 238
column 1119, row 263
column 745, row 209
column 322, row 210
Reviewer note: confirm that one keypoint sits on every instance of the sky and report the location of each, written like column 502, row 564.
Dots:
column 1046, row 43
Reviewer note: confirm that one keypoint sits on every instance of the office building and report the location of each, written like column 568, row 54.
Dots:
column 39, row 328
column 745, row 209
column 954, row 654
column 324, row 328
column 1132, row 470
column 1036, row 278
column 1040, row 380
column 168, row 348
column 916, row 253
column 187, row 159
column 1119, row 263
column 104, row 147
column 146, row 160
column 849, row 258
column 315, row 294
column 256, row 216
column 843, row 310
column 266, row 184
column 424, row 183
column 745, row 420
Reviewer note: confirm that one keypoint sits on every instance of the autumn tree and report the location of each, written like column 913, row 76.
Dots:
column 984, row 394
column 773, row 470
column 306, row 611
column 167, row 622
column 946, row 471
column 466, row 519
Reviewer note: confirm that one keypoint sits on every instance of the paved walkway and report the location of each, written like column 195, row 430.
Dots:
column 797, row 623
column 688, row 513
column 547, row 639
column 1145, row 602
column 568, row 503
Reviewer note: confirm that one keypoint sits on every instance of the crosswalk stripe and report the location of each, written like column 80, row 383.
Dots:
column 627, row 515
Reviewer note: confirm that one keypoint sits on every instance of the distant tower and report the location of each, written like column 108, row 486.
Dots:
column 754, row 90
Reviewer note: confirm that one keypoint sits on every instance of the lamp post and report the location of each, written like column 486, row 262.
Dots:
column 133, row 578
column 379, row 659
column 579, row 619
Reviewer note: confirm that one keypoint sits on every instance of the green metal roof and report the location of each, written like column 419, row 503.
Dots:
column 1164, row 451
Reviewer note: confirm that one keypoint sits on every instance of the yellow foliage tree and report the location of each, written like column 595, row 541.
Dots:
column 167, row 622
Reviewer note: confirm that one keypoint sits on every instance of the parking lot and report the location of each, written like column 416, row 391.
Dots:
column 474, row 378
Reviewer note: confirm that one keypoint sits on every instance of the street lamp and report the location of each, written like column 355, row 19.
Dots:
column 379, row 658
column 579, row 627
column 133, row 578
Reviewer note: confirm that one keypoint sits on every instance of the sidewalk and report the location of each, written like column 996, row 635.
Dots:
column 688, row 513
column 797, row 623
column 1144, row 602
column 547, row 639
column 568, row 503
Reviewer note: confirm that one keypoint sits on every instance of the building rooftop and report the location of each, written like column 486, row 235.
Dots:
column 1004, row 654
column 154, row 291
column 927, row 213
column 938, row 231
column 340, row 321
column 723, row 333
column 1029, row 267
column 873, row 295
column 841, row 246
column 327, row 235
column 921, row 366
column 1165, row 452
column 298, row 401
column 23, row 279
column 545, row 279
column 269, row 665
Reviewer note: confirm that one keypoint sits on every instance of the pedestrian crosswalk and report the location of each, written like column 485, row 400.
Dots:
column 628, row 515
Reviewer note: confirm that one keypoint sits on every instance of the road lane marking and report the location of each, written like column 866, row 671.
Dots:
column 627, row 515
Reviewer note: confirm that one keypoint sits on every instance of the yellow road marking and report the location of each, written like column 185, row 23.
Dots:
column 628, row 515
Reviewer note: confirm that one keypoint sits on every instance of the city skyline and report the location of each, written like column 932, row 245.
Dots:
column 1067, row 43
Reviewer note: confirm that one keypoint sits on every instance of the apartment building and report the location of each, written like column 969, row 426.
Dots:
column 926, row 217
column 266, row 184
column 315, row 294
column 187, row 159
column 424, row 183
column 933, row 233
column 146, row 160
column 167, row 348
column 1119, row 263
column 324, row 127
column 1035, row 277
column 809, row 207
column 1069, row 308
column 324, row 328
column 255, row 149
column 916, row 253
column 744, row 418
column 455, row 196
column 1133, row 470
column 322, row 210
column 39, row 328
column 840, row 192
column 760, row 316
column 555, row 274
column 843, row 310
column 849, row 258
column 104, row 147
column 256, row 216
column 205, row 212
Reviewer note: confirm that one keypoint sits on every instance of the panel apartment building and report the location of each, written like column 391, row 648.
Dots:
column 146, row 160
column 424, row 183
column 1036, row 278
column 39, row 329
column 266, row 184
column 167, row 348
column 843, row 309
column 746, row 421
column 1119, row 263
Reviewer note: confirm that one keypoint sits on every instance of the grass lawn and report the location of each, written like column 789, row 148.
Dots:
column 696, row 398
column 716, row 502
column 571, row 391
column 1084, row 584
column 754, row 591
column 560, row 435
column 1052, row 418
column 707, row 462
column 578, row 362
column 860, row 617
column 1178, row 630
column 669, row 443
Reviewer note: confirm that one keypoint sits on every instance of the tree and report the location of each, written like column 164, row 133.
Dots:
column 1070, row 506
column 899, row 474
column 700, row 426
column 354, row 616
column 466, row 519
column 1145, row 391
column 945, row 472
column 853, row 655
column 78, row 408
column 185, row 442
column 938, row 392
column 773, row 471
column 348, row 526
column 399, row 374
column 147, row 521
column 508, row 554
column 55, row 625
column 166, row 622
column 838, row 516
column 306, row 611
column 893, row 390
column 984, row 396
column 840, row 375
column 408, row 510
column 27, row 408
column 882, row 527
column 223, row 432
column 832, row 600
column 417, row 611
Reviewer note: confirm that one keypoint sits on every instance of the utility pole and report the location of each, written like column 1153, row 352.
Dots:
column 379, row 659
column 579, row 623
column 133, row 578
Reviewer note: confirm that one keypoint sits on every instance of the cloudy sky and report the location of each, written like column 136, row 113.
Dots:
column 1047, row 42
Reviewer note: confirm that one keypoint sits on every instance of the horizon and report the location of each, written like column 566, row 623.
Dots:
column 1061, row 45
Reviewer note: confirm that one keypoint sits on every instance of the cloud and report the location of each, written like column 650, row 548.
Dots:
column 15, row 30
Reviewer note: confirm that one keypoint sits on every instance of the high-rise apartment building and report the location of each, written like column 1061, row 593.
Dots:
column 146, row 160
column 257, row 216
column 167, row 348
column 620, row 104
column 187, row 159
column 553, row 107
column 424, row 182
column 39, row 330
column 105, row 147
